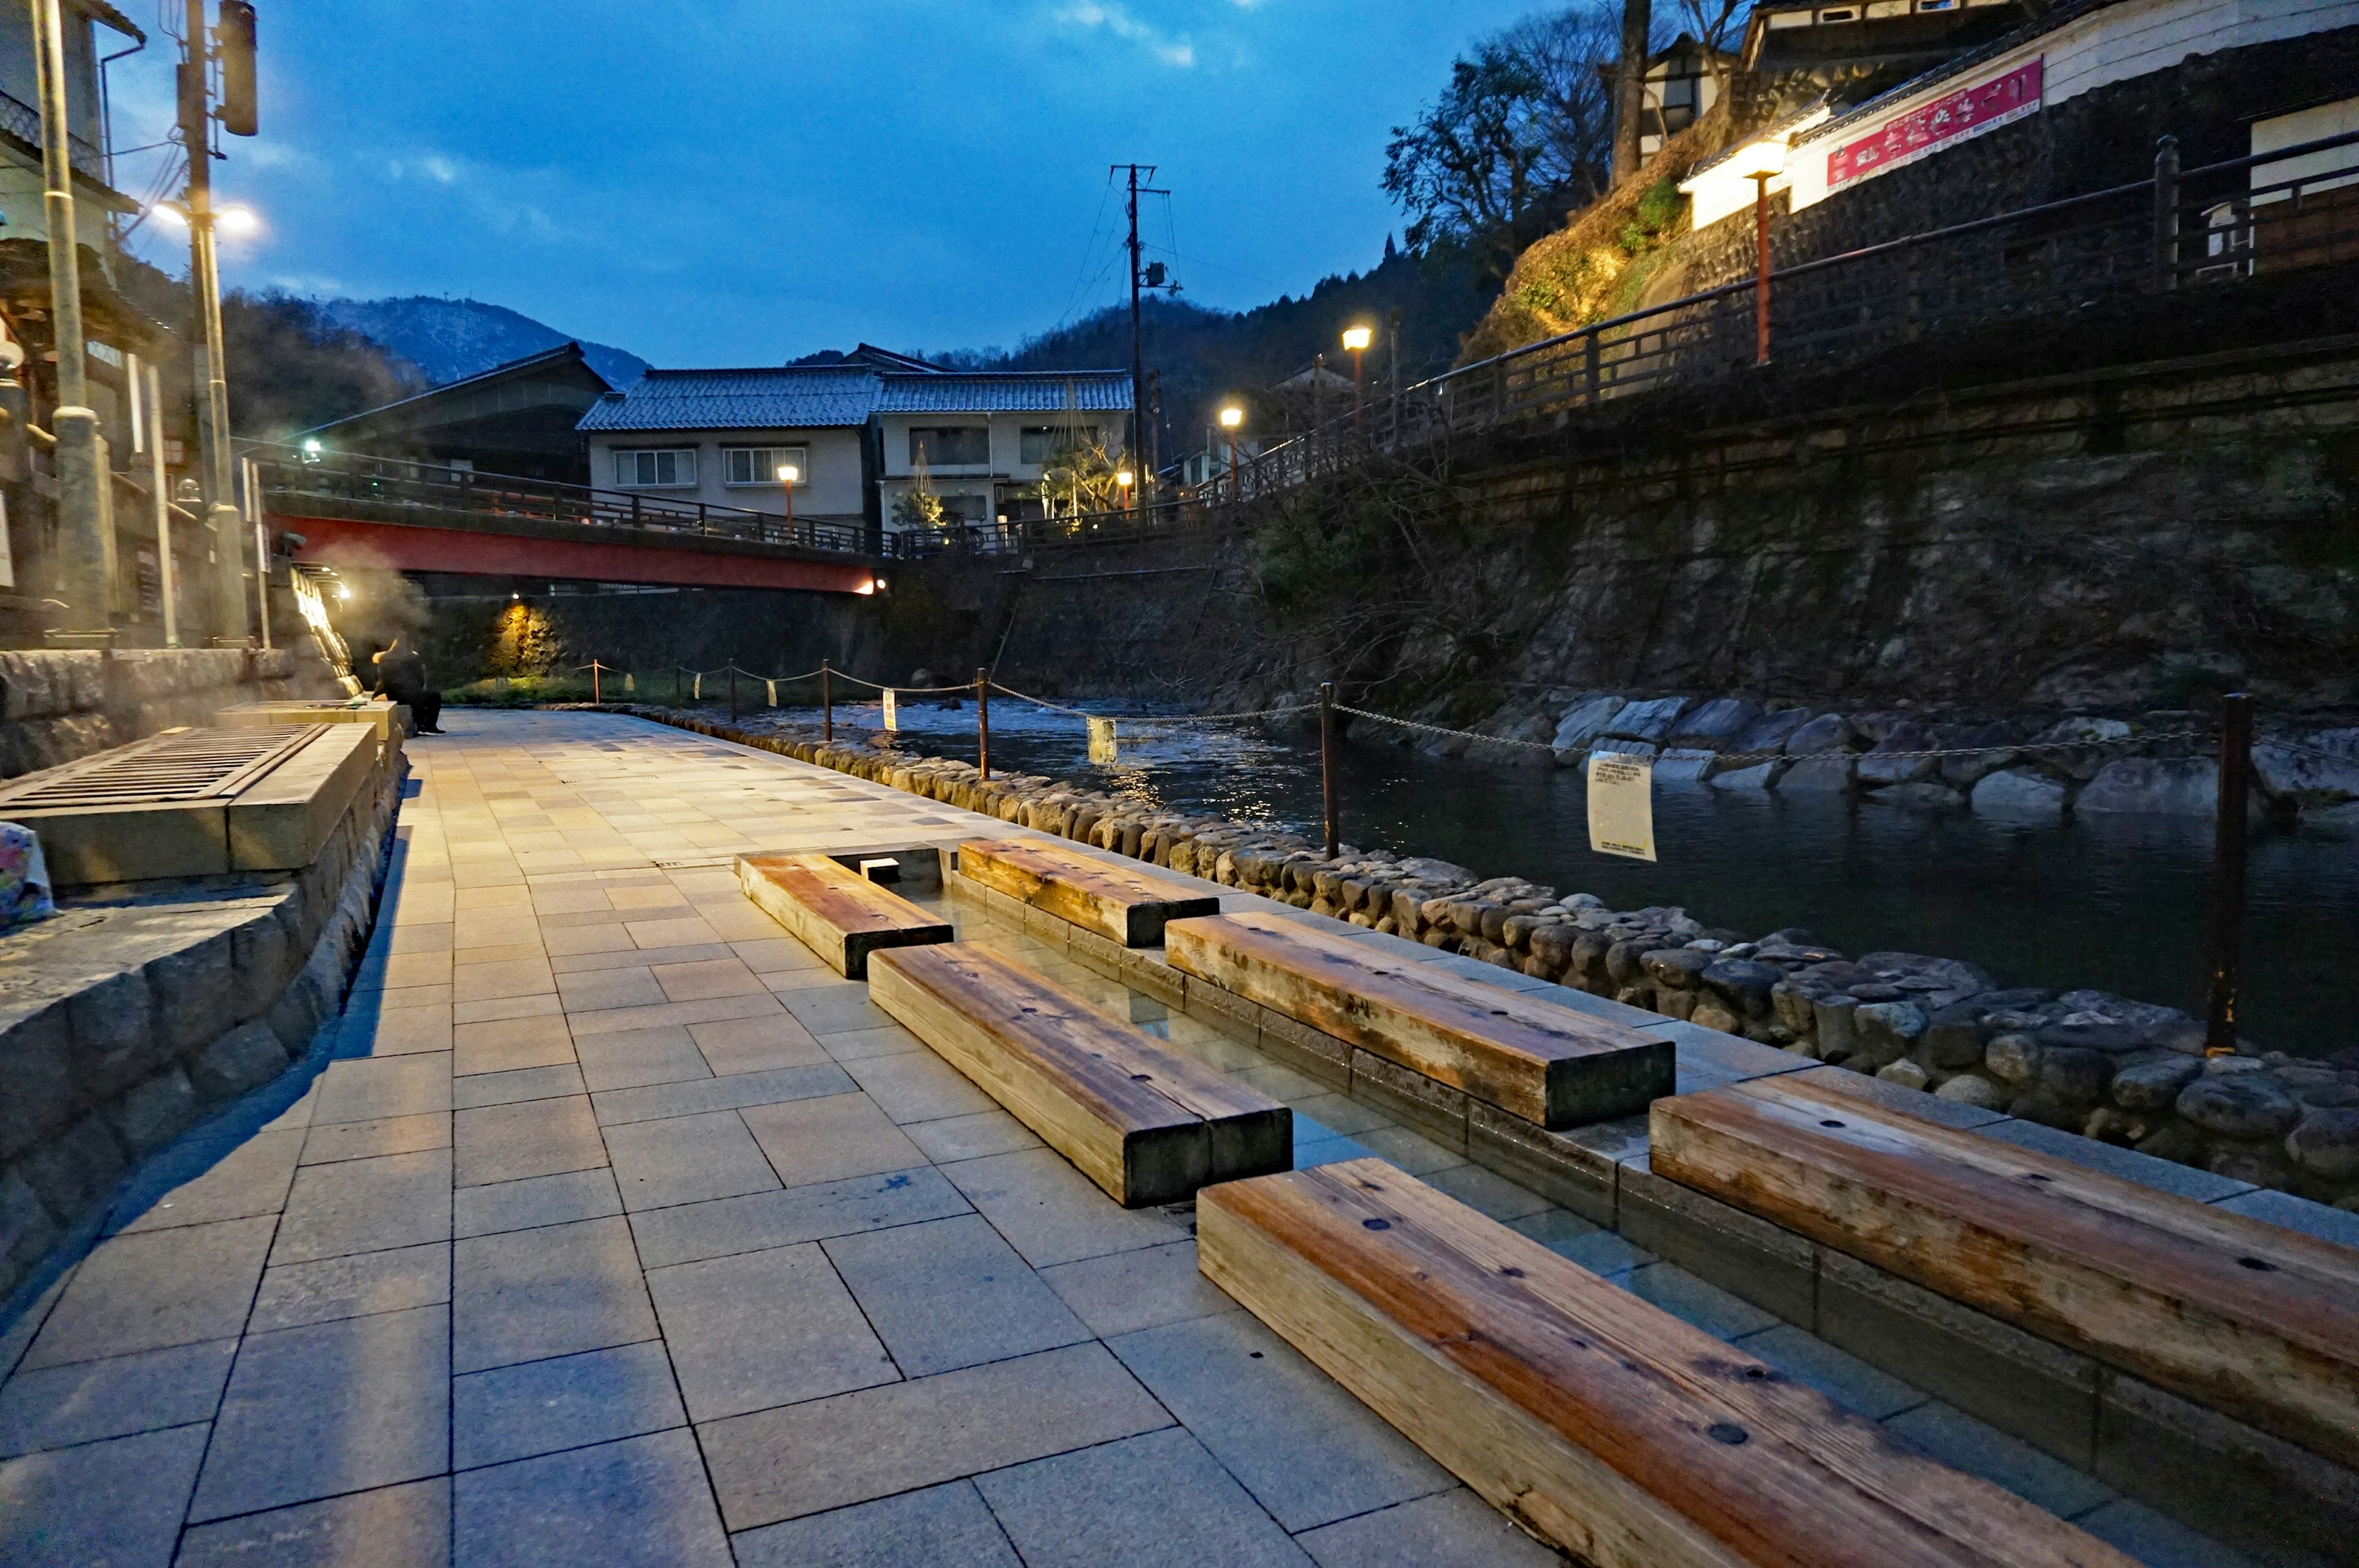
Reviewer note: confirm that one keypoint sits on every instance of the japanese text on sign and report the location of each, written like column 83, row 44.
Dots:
column 1968, row 112
column 1101, row 744
column 892, row 716
column 1622, row 805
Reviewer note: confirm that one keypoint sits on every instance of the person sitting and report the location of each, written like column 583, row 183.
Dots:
column 401, row 676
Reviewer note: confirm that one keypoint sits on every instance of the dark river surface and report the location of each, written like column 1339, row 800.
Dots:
column 2118, row 904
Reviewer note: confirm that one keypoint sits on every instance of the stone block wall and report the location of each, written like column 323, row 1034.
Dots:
column 125, row 1021
column 59, row 706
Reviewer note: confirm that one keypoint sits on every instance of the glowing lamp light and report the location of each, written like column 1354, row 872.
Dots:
column 1232, row 416
column 237, row 220
column 1761, row 160
column 344, row 591
column 170, row 213
column 516, row 596
column 867, row 586
column 311, row 449
column 1358, row 338
column 1124, row 478
column 789, row 474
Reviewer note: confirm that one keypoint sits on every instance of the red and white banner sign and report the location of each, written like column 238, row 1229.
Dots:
column 1967, row 113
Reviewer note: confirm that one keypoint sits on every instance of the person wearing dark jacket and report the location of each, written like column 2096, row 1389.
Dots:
column 401, row 675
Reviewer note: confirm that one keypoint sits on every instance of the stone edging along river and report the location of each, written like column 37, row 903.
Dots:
column 2123, row 1072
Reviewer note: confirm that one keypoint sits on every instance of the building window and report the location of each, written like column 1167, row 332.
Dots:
column 1039, row 444
column 760, row 465
column 654, row 468
column 956, row 446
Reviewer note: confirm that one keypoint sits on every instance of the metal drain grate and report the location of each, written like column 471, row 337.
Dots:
column 179, row 765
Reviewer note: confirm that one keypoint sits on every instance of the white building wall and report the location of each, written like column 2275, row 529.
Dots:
column 831, row 480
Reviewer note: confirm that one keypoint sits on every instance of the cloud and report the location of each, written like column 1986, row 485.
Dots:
column 428, row 166
column 1123, row 25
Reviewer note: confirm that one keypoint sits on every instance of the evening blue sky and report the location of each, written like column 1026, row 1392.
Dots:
column 718, row 183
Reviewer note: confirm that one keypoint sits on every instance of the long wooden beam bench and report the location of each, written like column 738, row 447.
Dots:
column 1600, row 1422
column 1128, row 906
column 1143, row 1122
column 1548, row 1065
column 837, row 912
column 2254, row 1320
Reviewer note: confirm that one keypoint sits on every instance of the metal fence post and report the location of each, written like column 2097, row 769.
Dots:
column 2166, row 213
column 826, row 702
column 1327, row 762
column 733, row 691
column 2229, row 834
column 983, row 719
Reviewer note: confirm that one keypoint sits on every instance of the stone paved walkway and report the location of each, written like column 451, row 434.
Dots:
column 617, row 1230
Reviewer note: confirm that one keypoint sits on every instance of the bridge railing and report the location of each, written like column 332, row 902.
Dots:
column 1116, row 526
column 394, row 482
column 2267, row 214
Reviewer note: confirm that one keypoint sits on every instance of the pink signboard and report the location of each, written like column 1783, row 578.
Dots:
column 1969, row 111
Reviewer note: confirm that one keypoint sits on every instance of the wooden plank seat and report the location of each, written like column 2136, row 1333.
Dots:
column 1598, row 1421
column 1131, row 907
column 836, row 913
column 1545, row 1063
column 2249, row 1318
column 1143, row 1122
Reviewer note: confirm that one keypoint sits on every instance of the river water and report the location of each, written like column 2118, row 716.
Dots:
column 2118, row 904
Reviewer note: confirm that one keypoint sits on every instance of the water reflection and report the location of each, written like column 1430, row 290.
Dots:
column 2114, row 902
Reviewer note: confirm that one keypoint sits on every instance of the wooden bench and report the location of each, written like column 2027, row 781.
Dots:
column 1143, row 1122
column 1130, row 907
column 1595, row 1420
column 837, row 912
column 1545, row 1063
column 2256, row 1321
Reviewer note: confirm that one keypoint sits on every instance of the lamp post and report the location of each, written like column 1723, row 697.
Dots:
column 1356, row 339
column 1123, row 479
column 788, row 477
column 1761, row 162
column 1231, row 418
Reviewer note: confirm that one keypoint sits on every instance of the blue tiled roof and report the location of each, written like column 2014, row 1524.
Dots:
column 759, row 399
column 1002, row 392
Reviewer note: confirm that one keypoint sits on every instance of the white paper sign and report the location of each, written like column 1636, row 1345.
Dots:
column 892, row 715
column 1101, row 743
column 1622, row 805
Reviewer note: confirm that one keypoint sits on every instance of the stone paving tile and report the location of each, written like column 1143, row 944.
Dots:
column 408, row 1526
column 1487, row 1193
column 83, row 1401
column 524, row 1083
column 1308, row 1451
column 585, row 940
column 535, row 1202
column 829, row 1139
column 355, row 1286
column 833, row 1010
column 758, row 1329
column 687, row 1159
column 155, row 1289
column 531, row 1138
column 1418, row 1156
column 824, row 1454
column 608, row 1020
column 2157, row 1540
column 1125, row 1292
column 223, row 1182
column 1153, row 1501
column 332, row 1142
column 505, row 978
column 114, row 1502
column 523, row 1296
column 510, row 1044
column 497, row 1008
column 641, row 1056
column 709, row 978
column 757, row 1044
column 701, row 1096
column 394, row 1031
column 951, row 1293
column 971, row 1136
column 639, row 1503
column 1841, row 1377
column 776, row 955
column 376, row 1088
column 366, row 1205
column 331, row 1407
column 1456, row 1528
column 610, row 986
column 859, row 1044
column 1706, row 1306
column 1052, row 1213
column 715, row 1230
column 566, row 1401
column 917, row 1085
column 939, row 1527
column 1961, row 1442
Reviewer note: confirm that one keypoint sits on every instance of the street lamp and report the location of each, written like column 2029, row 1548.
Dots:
column 1123, row 479
column 788, row 477
column 1356, row 339
column 1761, row 162
column 1231, row 418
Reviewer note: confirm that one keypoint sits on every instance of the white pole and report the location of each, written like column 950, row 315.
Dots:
column 163, row 504
column 252, row 476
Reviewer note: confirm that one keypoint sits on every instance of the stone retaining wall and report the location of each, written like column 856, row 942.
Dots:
column 58, row 706
column 125, row 1021
column 2125, row 1072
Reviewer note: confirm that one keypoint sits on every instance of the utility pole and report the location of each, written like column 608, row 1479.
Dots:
column 222, row 515
column 85, row 521
column 1143, row 276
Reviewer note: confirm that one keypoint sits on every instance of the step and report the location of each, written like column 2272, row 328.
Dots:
column 1598, row 1421
column 1548, row 1065
column 1128, row 906
column 837, row 912
column 2251, row 1319
column 1143, row 1122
